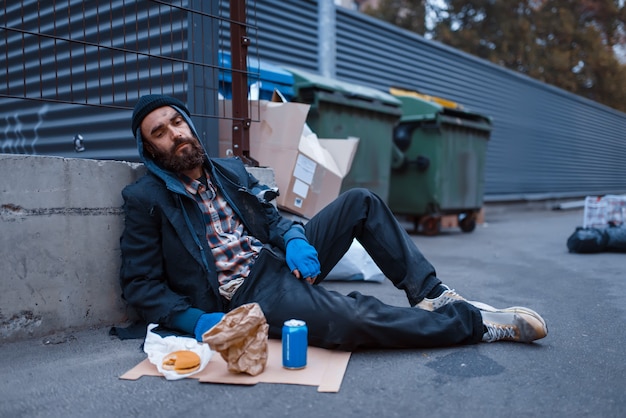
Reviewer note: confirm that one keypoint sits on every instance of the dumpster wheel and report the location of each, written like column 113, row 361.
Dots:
column 430, row 225
column 467, row 221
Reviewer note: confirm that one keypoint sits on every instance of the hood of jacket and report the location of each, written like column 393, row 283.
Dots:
column 171, row 179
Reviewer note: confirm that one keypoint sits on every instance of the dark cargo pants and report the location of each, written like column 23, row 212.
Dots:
column 348, row 322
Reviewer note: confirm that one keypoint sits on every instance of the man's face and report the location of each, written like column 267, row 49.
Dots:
column 169, row 139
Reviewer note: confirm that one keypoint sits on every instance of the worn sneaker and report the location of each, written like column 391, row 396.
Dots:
column 512, row 309
column 450, row 296
column 511, row 326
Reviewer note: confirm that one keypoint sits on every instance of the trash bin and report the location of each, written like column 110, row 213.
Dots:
column 341, row 110
column 438, row 162
column 263, row 78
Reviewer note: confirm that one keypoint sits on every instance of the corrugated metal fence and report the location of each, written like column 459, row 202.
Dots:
column 545, row 142
column 74, row 70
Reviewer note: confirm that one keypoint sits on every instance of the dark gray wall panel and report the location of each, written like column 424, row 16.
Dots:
column 83, row 65
column 545, row 141
column 287, row 32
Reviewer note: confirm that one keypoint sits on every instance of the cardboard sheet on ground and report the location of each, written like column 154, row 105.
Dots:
column 325, row 369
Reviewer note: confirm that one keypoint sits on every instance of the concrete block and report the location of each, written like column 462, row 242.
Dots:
column 61, row 221
column 60, row 224
column 263, row 174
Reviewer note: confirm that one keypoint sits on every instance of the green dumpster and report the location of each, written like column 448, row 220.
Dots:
column 438, row 163
column 341, row 110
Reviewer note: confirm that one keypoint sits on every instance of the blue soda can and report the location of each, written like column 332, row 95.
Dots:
column 295, row 342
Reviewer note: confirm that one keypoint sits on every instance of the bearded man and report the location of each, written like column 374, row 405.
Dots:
column 199, row 241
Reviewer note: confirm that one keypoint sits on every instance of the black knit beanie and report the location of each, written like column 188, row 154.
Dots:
column 148, row 103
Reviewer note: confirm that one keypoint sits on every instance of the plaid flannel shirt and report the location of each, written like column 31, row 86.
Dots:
column 233, row 249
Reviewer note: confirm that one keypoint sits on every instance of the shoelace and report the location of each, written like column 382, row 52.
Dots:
column 447, row 296
column 499, row 332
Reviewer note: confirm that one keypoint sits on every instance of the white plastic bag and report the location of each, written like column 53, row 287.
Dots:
column 600, row 211
column 356, row 265
column 157, row 347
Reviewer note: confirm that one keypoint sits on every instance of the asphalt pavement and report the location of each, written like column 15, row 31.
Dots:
column 518, row 257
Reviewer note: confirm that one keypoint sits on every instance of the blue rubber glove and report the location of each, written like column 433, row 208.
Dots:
column 302, row 256
column 206, row 322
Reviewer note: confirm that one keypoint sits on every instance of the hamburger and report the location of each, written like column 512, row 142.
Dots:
column 182, row 361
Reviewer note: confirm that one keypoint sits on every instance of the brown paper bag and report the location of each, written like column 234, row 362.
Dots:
column 241, row 338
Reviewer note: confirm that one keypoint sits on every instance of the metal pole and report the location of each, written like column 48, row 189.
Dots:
column 326, row 35
column 239, row 42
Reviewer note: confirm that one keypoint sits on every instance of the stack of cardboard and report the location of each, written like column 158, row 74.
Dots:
column 308, row 170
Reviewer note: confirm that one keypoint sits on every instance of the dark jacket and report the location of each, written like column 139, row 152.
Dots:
column 168, row 270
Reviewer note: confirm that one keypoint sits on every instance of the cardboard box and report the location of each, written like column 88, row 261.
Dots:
column 308, row 170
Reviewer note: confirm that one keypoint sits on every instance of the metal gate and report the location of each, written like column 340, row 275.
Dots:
column 74, row 70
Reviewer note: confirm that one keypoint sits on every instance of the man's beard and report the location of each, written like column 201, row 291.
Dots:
column 185, row 160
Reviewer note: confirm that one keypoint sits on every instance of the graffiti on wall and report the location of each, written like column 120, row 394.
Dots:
column 19, row 137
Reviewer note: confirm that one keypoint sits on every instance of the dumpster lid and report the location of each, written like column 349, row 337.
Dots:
column 417, row 107
column 306, row 79
column 262, row 70
column 396, row 91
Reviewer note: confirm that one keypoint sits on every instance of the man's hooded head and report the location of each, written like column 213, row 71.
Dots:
column 150, row 102
column 166, row 158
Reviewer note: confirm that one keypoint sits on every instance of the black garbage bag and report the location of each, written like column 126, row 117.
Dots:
column 595, row 240
column 587, row 240
column 616, row 238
